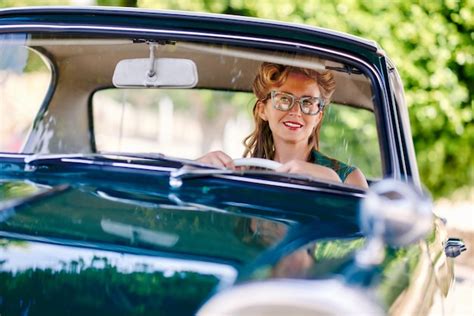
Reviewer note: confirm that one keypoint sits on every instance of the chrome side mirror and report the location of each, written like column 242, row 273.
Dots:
column 394, row 213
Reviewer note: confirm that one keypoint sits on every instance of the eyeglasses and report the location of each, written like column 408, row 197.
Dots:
column 284, row 102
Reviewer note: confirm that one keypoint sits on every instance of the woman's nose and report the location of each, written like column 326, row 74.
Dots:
column 295, row 109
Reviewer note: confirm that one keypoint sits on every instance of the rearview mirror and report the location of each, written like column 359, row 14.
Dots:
column 160, row 72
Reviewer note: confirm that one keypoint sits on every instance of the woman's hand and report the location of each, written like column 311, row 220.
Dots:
column 217, row 158
column 311, row 169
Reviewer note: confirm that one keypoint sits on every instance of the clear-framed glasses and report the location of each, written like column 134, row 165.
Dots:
column 284, row 102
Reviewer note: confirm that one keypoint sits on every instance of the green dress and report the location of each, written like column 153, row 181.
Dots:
column 342, row 169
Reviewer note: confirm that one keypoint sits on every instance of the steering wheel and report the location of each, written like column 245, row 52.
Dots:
column 257, row 162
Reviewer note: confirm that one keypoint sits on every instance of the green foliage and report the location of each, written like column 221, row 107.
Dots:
column 359, row 148
column 336, row 249
column 118, row 3
column 25, row 3
column 431, row 44
column 14, row 190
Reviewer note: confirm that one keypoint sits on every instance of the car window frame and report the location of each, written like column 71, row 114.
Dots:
column 383, row 118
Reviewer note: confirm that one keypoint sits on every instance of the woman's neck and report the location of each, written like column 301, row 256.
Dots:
column 285, row 152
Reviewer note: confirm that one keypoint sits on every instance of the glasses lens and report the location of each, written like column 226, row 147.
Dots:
column 282, row 101
column 310, row 105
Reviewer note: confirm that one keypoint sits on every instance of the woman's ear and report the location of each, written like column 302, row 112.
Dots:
column 261, row 110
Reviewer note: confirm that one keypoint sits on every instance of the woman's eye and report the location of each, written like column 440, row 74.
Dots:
column 285, row 100
column 307, row 103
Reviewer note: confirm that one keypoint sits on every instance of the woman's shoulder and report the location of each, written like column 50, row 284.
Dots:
column 342, row 169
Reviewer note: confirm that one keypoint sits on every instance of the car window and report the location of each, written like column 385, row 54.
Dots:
column 350, row 134
column 183, row 123
column 190, row 123
column 25, row 78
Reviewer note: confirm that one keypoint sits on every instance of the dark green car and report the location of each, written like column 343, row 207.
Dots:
column 104, row 208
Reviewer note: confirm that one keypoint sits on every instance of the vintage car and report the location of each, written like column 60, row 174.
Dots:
column 105, row 210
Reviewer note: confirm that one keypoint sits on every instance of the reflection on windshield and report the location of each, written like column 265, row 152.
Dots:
column 158, row 225
column 313, row 259
column 134, row 234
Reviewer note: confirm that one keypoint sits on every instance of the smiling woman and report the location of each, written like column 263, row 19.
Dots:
column 288, row 116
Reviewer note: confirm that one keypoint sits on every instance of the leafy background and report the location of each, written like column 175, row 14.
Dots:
column 429, row 41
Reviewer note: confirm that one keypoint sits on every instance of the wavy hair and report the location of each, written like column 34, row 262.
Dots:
column 259, row 143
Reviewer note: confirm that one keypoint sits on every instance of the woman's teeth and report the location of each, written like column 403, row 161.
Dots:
column 292, row 124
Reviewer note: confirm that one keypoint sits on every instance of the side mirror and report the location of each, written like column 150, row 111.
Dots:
column 159, row 72
column 397, row 212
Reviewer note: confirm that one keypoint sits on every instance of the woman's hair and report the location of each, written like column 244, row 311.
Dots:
column 259, row 143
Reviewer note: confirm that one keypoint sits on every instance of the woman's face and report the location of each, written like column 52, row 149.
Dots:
column 293, row 126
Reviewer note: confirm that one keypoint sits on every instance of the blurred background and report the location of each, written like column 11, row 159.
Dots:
column 431, row 43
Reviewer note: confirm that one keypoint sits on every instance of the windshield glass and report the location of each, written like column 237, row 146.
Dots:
column 179, row 98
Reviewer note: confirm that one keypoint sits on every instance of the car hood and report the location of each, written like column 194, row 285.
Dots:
column 123, row 248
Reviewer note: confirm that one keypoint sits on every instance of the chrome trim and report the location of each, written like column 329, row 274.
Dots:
column 141, row 167
column 288, row 185
column 141, row 31
column 294, row 297
column 44, row 157
column 88, row 162
column 19, row 156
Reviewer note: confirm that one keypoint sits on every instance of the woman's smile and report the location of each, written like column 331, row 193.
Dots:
column 293, row 125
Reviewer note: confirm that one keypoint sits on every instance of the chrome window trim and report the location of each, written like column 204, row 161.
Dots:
column 146, row 31
column 289, row 185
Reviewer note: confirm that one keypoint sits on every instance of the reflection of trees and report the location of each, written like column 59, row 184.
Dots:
column 5, row 243
column 78, row 289
column 399, row 271
column 16, row 189
column 336, row 249
column 317, row 258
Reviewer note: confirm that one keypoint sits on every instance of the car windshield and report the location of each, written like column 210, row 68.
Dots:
column 177, row 97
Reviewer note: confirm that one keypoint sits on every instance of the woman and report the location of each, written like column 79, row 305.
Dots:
column 288, row 116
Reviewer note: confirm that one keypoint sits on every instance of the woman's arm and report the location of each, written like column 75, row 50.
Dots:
column 357, row 178
column 309, row 168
